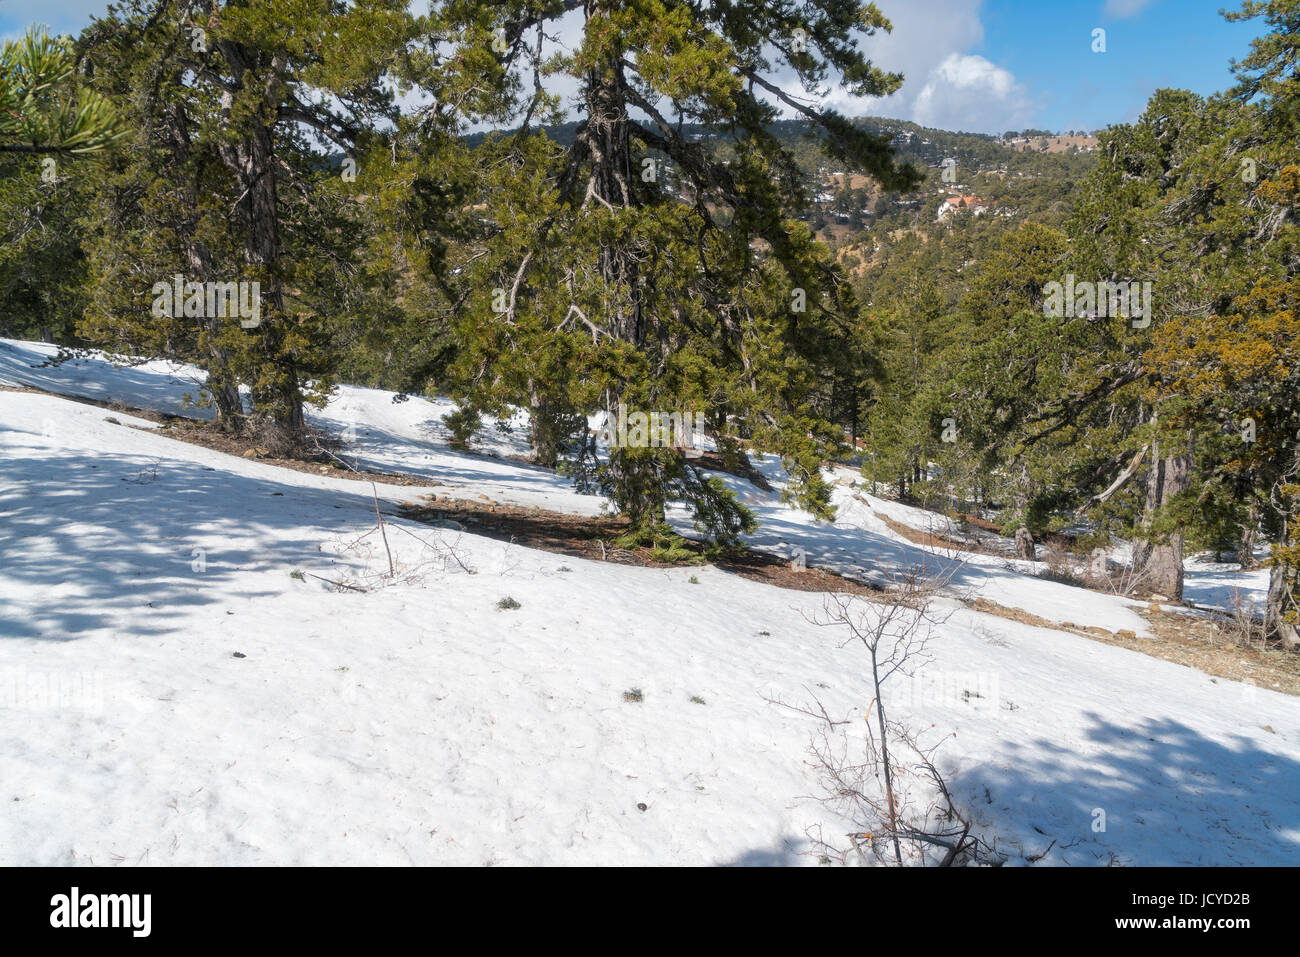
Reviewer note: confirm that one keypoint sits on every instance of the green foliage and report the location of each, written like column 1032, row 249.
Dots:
column 43, row 268
column 663, row 252
column 624, row 264
column 226, row 178
column 50, row 122
column 664, row 544
column 43, row 108
column 463, row 423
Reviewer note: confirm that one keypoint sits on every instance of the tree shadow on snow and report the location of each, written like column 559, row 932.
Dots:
column 93, row 377
column 781, row 854
column 1169, row 796
column 108, row 541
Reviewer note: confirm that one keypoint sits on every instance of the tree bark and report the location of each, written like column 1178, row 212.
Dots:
column 1158, row 560
column 252, row 160
column 221, row 383
column 1282, row 605
column 1246, row 548
column 545, row 440
column 613, row 181
column 1025, row 544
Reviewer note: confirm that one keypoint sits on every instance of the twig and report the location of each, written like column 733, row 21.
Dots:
column 1035, row 858
column 450, row 550
column 375, row 491
column 339, row 584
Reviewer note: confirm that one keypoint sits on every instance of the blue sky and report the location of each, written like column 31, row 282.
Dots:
column 1047, row 47
column 982, row 65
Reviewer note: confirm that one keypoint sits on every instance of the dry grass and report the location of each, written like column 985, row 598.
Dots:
column 932, row 539
column 1196, row 641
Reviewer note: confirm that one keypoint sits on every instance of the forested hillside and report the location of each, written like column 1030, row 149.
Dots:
column 1062, row 337
column 554, row 432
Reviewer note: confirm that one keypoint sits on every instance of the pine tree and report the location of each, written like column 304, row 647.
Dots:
column 645, row 271
column 43, row 268
column 1232, row 368
column 51, row 126
column 236, row 110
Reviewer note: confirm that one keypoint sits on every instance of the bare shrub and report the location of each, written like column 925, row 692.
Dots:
column 923, row 826
column 888, row 785
column 1096, row 571
column 1243, row 625
column 1064, row 567
column 434, row 557
column 1121, row 579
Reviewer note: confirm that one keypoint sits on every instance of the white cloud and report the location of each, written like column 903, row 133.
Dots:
column 967, row 92
column 944, row 85
column 925, row 33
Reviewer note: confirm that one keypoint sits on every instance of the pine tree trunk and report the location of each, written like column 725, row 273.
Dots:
column 222, row 384
column 543, row 439
column 252, row 160
column 1282, row 611
column 1282, row 586
column 229, row 406
column 604, row 140
column 1025, row 544
column 1158, row 562
column 1246, row 549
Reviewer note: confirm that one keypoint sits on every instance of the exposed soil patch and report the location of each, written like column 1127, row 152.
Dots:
column 932, row 539
column 593, row 538
column 979, row 522
column 1028, row 618
column 326, row 458
column 1061, row 539
column 1199, row 643
column 1196, row 642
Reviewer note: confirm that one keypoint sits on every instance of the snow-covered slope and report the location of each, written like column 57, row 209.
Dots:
column 423, row 723
column 409, row 436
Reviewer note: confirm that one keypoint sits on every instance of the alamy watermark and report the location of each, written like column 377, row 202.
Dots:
column 652, row 430
column 46, row 692
column 1097, row 300
column 209, row 300
column 978, row 690
column 128, row 911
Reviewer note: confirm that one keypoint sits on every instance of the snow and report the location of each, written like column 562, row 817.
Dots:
column 1224, row 585
column 421, row 723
